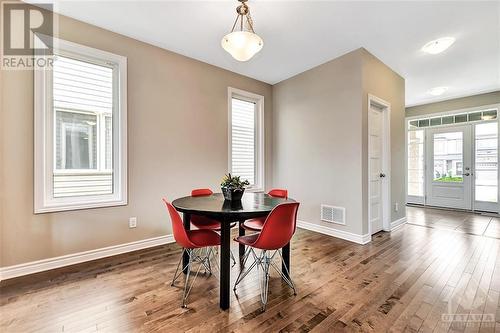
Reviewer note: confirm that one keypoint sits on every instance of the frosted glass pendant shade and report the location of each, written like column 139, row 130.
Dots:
column 242, row 45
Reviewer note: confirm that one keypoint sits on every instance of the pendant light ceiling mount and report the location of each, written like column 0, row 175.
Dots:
column 244, row 43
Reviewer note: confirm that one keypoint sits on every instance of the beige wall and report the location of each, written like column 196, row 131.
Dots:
column 320, row 136
column 382, row 82
column 177, row 140
column 317, row 139
column 454, row 104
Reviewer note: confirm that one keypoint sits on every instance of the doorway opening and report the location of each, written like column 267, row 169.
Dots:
column 452, row 160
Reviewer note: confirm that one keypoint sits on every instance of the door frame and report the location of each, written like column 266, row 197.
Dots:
column 423, row 200
column 386, row 161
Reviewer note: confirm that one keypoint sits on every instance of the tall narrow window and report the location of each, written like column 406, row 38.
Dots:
column 486, row 176
column 80, row 105
column 415, row 164
column 246, row 137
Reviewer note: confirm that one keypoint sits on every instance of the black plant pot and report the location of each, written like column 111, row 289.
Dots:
column 232, row 194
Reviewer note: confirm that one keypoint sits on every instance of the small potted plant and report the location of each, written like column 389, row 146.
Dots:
column 233, row 187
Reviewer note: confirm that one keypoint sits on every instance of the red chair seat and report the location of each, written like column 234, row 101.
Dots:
column 205, row 223
column 203, row 238
column 247, row 240
column 254, row 224
column 202, row 222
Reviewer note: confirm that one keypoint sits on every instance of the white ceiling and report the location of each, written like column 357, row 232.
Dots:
column 299, row 35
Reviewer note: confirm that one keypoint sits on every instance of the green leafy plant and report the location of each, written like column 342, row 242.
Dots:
column 234, row 182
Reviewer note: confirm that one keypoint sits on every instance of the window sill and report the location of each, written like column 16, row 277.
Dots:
column 79, row 206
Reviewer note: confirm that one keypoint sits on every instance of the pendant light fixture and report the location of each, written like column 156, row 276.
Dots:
column 244, row 43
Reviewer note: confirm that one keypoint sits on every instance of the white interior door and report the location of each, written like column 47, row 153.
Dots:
column 376, row 172
column 448, row 167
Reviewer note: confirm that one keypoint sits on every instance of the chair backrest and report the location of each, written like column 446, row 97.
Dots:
column 279, row 227
column 178, row 230
column 201, row 192
column 279, row 193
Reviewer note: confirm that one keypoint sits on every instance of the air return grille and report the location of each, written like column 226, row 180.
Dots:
column 333, row 214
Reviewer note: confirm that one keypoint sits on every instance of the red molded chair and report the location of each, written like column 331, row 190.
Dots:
column 257, row 223
column 277, row 231
column 191, row 240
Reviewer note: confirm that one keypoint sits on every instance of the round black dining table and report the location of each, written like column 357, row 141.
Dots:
column 252, row 205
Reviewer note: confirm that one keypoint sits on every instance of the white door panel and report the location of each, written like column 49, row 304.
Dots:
column 375, row 170
column 449, row 167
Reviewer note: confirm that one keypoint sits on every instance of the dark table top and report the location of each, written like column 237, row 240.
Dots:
column 251, row 205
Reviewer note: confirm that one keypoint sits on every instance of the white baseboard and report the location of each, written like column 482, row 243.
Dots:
column 398, row 223
column 356, row 238
column 9, row 272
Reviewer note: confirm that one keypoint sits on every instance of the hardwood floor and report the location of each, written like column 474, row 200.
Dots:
column 469, row 223
column 415, row 279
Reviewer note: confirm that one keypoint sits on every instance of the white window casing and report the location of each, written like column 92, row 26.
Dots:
column 246, row 137
column 73, row 88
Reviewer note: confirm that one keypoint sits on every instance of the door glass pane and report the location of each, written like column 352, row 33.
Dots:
column 447, row 120
column 448, row 157
column 416, row 163
column 486, row 173
column 423, row 123
column 435, row 121
column 461, row 118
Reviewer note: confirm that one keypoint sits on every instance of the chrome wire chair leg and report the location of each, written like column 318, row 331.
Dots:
column 232, row 258
column 209, row 253
column 187, row 290
column 287, row 277
column 265, row 263
column 202, row 257
column 245, row 256
column 215, row 254
column 177, row 273
column 244, row 272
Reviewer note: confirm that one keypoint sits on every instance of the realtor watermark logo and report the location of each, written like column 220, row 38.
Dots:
column 26, row 35
column 458, row 317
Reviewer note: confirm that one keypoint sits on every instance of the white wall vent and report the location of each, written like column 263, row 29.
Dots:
column 333, row 214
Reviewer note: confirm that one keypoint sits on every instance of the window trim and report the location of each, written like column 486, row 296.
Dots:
column 44, row 200
column 259, row 137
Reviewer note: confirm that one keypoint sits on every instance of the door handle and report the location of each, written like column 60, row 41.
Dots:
column 382, row 175
column 466, row 174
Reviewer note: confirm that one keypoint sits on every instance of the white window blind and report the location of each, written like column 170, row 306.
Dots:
column 83, row 86
column 243, row 139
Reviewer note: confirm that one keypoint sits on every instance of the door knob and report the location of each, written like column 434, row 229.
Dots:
column 382, row 175
column 466, row 174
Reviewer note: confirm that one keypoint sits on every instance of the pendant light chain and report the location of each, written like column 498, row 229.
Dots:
column 243, row 11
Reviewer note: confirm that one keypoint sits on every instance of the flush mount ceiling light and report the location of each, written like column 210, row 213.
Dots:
column 438, row 45
column 437, row 91
column 244, row 43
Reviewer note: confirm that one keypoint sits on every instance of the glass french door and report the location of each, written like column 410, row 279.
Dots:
column 449, row 167
column 454, row 166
